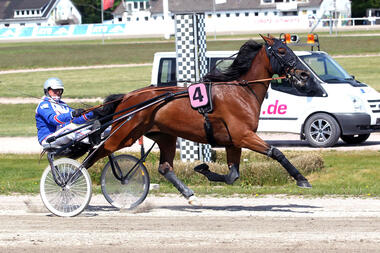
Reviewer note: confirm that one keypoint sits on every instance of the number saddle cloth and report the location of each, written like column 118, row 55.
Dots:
column 201, row 99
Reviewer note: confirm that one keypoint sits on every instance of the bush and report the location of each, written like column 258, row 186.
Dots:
column 255, row 169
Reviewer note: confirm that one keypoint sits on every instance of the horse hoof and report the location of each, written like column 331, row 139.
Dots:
column 194, row 201
column 303, row 184
column 232, row 177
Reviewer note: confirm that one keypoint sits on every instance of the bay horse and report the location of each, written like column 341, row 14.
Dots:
column 234, row 119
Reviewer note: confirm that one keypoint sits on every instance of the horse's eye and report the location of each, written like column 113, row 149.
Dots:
column 282, row 51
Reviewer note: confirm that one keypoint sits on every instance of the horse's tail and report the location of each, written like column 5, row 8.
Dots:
column 110, row 104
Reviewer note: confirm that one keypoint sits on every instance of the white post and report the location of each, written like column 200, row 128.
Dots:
column 336, row 19
column 214, row 18
column 165, row 6
column 102, row 18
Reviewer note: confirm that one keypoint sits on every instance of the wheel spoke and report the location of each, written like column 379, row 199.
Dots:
column 130, row 192
column 71, row 199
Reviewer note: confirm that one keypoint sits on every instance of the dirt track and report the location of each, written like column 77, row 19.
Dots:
column 169, row 224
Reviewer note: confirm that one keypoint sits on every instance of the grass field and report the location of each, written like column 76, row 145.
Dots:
column 78, row 53
column 341, row 174
column 85, row 83
column 365, row 69
column 26, row 124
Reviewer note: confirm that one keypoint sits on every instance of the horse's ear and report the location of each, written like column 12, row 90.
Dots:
column 268, row 40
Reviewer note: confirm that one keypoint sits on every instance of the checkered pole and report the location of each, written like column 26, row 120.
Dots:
column 191, row 65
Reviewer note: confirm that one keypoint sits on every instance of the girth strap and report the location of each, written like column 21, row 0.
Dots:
column 209, row 131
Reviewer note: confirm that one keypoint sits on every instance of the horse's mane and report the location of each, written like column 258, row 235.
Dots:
column 239, row 66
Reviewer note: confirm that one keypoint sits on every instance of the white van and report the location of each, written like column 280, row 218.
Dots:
column 343, row 107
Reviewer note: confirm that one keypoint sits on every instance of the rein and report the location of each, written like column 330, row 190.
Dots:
column 38, row 98
column 243, row 83
column 119, row 99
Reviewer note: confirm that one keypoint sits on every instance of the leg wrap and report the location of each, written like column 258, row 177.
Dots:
column 181, row 187
column 211, row 176
column 233, row 175
column 230, row 178
column 279, row 156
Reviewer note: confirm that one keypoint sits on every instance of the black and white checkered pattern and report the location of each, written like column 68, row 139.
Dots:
column 202, row 45
column 191, row 65
column 189, row 150
column 207, row 152
column 185, row 48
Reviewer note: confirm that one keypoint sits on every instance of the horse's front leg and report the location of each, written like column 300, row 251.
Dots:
column 233, row 161
column 252, row 141
column 167, row 145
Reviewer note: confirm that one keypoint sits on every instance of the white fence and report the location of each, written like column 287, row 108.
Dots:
column 160, row 27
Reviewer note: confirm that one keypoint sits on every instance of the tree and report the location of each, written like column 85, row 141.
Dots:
column 359, row 7
column 91, row 10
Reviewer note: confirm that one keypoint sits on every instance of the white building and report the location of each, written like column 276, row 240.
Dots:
column 234, row 9
column 132, row 10
column 29, row 13
column 229, row 15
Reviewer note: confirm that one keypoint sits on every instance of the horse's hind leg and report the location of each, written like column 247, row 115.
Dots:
column 167, row 145
column 233, row 161
column 255, row 143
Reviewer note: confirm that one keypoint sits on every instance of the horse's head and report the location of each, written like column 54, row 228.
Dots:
column 284, row 62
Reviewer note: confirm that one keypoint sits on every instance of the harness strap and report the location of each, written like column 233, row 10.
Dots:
column 244, row 83
column 209, row 131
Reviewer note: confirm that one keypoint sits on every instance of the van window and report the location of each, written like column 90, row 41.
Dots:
column 281, row 85
column 326, row 68
column 285, row 86
column 167, row 72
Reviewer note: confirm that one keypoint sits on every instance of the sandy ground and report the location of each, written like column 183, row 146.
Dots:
column 169, row 224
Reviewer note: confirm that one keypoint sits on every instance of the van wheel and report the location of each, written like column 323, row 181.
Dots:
column 322, row 130
column 355, row 139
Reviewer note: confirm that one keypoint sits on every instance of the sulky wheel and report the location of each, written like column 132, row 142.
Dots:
column 322, row 130
column 125, row 184
column 73, row 195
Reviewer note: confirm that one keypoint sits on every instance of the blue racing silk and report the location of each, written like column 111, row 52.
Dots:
column 52, row 115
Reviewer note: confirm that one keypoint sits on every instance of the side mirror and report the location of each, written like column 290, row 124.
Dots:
column 353, row 77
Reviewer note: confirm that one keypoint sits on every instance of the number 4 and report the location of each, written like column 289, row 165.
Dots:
column 198, row 94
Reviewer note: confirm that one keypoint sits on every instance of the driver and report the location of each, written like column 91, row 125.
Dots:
column 54, row 117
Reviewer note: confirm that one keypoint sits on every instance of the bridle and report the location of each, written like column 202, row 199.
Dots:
column 280, row 63
column 285, row 63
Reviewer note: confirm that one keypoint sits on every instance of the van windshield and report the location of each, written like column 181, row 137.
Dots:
column 326, row 68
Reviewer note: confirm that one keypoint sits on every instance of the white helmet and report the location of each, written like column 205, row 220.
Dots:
column 53, row 83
